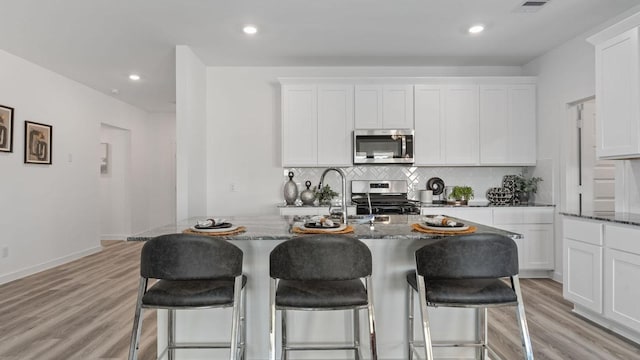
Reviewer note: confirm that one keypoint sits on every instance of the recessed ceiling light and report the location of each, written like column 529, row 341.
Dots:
column 476, row 29
column 250, row 30
column 134, row 77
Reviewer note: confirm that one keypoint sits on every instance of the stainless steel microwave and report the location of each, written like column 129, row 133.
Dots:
column 383, row 146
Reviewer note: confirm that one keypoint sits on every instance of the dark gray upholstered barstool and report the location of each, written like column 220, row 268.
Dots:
column 321, row 272
column 466, row 271
column 193, row 272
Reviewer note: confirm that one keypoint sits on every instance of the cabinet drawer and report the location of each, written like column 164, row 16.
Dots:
column 584, row 231
column 508, row 216
column 623, row 238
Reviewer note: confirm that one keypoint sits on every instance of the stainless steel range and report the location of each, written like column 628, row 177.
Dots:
column 383, row 197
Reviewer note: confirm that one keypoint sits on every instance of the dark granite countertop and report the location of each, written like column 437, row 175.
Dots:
column 483, row 206
column 271, row 227
column 616, row 217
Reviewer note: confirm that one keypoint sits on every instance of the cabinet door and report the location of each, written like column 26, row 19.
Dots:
column 368, row 106
column 461, row 125
column 622, row 291
column 335, row 125
column 537, row 246
column 507, row 125
column 429, row 104
column 299, row 125
column 397, row 107
column 617, row 94
column 583, row 274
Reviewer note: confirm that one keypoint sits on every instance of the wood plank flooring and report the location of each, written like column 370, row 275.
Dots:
column 84, row 310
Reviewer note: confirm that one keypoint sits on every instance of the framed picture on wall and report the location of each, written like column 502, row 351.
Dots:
column 6, row 128
column 37, row 143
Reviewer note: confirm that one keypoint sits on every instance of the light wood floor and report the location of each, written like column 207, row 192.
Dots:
column 84, row 309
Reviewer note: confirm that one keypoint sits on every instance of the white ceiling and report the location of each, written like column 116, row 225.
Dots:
column 99, row 42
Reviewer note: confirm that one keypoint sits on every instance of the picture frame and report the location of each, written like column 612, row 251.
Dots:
column 6, row 128
column 37, row 143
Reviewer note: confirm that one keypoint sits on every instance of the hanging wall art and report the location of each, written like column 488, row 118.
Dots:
column 37, row 143
column 6, row 129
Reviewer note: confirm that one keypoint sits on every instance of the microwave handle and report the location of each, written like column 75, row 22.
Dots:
column 404, row 146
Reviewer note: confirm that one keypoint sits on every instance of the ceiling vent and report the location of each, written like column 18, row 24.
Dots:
column 531, row 6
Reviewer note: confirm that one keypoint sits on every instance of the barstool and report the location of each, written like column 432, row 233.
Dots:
column 193, row 272
column 466, row 271
column 320, row 273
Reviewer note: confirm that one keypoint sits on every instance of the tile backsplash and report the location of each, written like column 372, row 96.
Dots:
column 479, row 178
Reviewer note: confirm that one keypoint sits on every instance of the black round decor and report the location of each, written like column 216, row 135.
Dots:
column 436, row 185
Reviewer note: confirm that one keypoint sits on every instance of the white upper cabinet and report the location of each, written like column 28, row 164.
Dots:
column 429, row 125
column 384, row 106
column 461, row 125
column 508, row 124
column 317, row 123
column 617, row 93
column 335, row 125
column 299, row 125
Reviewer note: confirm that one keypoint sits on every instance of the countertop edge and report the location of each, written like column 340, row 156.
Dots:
column 613, row 217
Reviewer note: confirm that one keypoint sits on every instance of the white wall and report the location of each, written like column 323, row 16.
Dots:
column 243, row 129
column 191, row 126
column 49, row 213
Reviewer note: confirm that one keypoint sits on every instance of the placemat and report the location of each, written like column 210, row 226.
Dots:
column 417, row 227
column 298, row 230
column 237, row 231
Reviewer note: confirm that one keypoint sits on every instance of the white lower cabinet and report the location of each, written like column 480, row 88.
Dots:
column 622, row 273
column 312, row 210
column 583, row 274
column 535, row 249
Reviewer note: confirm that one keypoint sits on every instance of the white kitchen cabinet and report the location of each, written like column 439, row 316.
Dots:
column 617, row 93
column 384, row 106
column 299, row 125
column 446, row 124
column 507, row 124
column 583, row 256
column 622, row 271
column 335, row 125
column 535, row 249
column 480, row 215
column 317, row 122
column 312, row 210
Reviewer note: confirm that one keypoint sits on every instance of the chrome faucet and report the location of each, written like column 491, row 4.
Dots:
column 344, row 190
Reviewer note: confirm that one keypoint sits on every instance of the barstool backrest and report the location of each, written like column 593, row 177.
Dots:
column 468, row 257
column 320, row 257
column 189, row 257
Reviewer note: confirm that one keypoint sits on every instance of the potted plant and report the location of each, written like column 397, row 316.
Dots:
column 461, row 194
column 325, row 194
column 525, row 187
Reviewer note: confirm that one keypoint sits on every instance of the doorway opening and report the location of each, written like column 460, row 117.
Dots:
column 589, row 182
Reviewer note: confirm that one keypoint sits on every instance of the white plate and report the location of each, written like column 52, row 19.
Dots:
column 444, row 228
column 340, row 228
column 232, row 228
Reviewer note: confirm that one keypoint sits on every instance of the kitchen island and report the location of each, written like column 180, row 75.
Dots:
column 392, row 246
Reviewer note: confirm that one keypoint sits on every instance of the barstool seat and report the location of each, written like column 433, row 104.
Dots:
column 480, row 292
column 190, row 293
column 321, row 294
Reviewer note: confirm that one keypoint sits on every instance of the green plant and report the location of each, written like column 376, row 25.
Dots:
column 527, row 185
column 461, row 193
column 325, row 194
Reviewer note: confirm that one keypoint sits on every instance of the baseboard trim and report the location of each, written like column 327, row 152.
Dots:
column 47, row 265
column 114, row 237
column 557, row 277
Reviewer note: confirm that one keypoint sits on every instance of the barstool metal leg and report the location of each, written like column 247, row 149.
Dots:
column 410, row 334
column 243, row 324
column 356, row 333
column 426, row 329
column 522, row 320
column 171, row 332
column 482, row 332
column 372, row 320
column 283, row 321
column 235, row 318
column 272, row 320
column 137, row 321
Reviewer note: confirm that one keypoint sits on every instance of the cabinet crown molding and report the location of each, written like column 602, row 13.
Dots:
column 615, row 29
column 478, row 80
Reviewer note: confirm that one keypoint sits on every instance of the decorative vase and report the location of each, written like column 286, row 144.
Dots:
column 524, row 198
column 307, row 196
column 290, row 190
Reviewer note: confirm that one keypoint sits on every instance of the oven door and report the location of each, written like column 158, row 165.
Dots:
column 383, row 146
